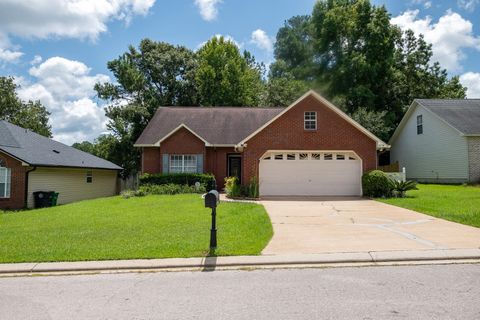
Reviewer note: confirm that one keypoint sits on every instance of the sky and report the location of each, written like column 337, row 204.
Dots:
column 58, row 49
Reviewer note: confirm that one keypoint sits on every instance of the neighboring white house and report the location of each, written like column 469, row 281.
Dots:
column 439, row 141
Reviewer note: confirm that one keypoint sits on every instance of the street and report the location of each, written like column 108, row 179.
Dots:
column 392, row 292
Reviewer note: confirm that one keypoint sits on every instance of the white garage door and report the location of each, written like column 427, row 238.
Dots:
column 316, row 173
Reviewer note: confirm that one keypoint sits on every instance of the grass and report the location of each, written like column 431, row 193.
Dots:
column 117, row 228
column 456, row 203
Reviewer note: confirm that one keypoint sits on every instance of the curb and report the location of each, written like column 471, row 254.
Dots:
column 372, row 257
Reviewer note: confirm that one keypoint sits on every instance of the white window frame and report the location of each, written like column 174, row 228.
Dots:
column 7, row 181
column 309, row 119
column 419, row 124
column 89, row 174
column 183, row 166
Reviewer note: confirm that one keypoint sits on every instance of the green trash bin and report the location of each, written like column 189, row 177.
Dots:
column 54, row 199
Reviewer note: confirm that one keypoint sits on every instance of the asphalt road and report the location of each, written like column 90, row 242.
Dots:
column 402, row 292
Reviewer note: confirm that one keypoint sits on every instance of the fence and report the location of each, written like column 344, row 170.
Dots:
column 394, row 167
column 130, row 183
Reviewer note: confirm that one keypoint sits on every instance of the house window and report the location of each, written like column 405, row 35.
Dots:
column 310, row 120
column 183, row 163
column 5, row 180
column 328, row 156
column 419, row 124
column 89, row 176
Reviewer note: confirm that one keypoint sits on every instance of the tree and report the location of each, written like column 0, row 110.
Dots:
column 282, row 91
column 157, row 74
column 351, row 51
column 30, row 115
column 225, row 77
column 373, row 121
column 85, row 146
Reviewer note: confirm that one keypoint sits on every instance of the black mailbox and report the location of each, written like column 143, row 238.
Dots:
column 210, row 200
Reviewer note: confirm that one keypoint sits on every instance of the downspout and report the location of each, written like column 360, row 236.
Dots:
column 26, row 185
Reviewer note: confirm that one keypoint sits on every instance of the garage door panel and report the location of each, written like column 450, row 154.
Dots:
column 310, row 177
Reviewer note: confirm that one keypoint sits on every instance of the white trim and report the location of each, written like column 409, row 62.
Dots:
column 380, row 143
column 407, row 115
column 305, row 121
column 183, row 125
column 175, row 130
column 317, row 151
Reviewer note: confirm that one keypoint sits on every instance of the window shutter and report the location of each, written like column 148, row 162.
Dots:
column 200, row 163
column 165, row 164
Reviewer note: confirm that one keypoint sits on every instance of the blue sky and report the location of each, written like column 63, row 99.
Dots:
column 57, row 49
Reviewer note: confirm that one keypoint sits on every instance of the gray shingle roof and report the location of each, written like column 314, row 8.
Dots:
column 38, row 150
column 462, row 114
column 216, row 125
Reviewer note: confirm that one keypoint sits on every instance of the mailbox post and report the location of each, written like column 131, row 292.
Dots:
column 211, row 201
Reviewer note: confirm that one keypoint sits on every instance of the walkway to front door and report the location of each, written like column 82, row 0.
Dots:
column 316, row 225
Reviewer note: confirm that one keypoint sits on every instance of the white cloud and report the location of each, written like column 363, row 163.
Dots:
column 226, row 37
column 449, row 36
column 208, row 8
column 426, row 3
column 468, row 5
column 66, row 18
column 261, row 39
column 66, row 88
column 7, row 55
column 36, row 60
column 471, row 80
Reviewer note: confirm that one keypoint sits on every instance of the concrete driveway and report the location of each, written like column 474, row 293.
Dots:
column 323, row 225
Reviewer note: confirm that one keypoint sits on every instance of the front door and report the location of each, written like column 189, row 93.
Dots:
column 234, row 166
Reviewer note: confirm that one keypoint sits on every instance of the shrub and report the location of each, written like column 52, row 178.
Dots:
column 232, row 187
column 401, row 187
column 208, row 180
column 170, row 189
column 126, row 194
column 252, row 188
column 376, row 184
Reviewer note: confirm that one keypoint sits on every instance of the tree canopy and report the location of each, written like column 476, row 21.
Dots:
column 349, row 50
column 30, row 115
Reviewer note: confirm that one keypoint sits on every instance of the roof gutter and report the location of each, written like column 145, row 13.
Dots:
column 26, row 185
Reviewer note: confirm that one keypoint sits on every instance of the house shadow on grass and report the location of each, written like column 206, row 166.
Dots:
column 210, row 262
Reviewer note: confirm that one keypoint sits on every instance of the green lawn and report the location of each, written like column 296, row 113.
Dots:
column 117, row 228
column 451, row 202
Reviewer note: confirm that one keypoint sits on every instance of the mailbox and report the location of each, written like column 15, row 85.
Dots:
column 211, row 200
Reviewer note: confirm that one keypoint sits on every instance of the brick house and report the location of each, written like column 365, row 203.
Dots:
column 308, row 148
column 30, row 162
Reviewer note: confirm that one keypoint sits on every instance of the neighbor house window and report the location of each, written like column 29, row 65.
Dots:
column 5, row 180
column 310, row 120
column 419, row 124
column 180, row 163
column 89, row 176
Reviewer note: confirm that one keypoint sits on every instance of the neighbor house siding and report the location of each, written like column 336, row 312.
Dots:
column 71, row 184
column 474, row 159
column 17, row 187
column 438, row 155
column 287, row 133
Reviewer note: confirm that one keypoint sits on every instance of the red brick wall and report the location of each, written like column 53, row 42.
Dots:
column 287, row 133
column 182, row 142
column 17, row 191
column 216, row 163
column 151, row 160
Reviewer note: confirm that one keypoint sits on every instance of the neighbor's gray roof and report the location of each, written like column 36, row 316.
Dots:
column 462, row 114
column 216, row 125
column 37, row 150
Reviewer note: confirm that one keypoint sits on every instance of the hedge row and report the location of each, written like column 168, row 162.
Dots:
column 189, row 179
